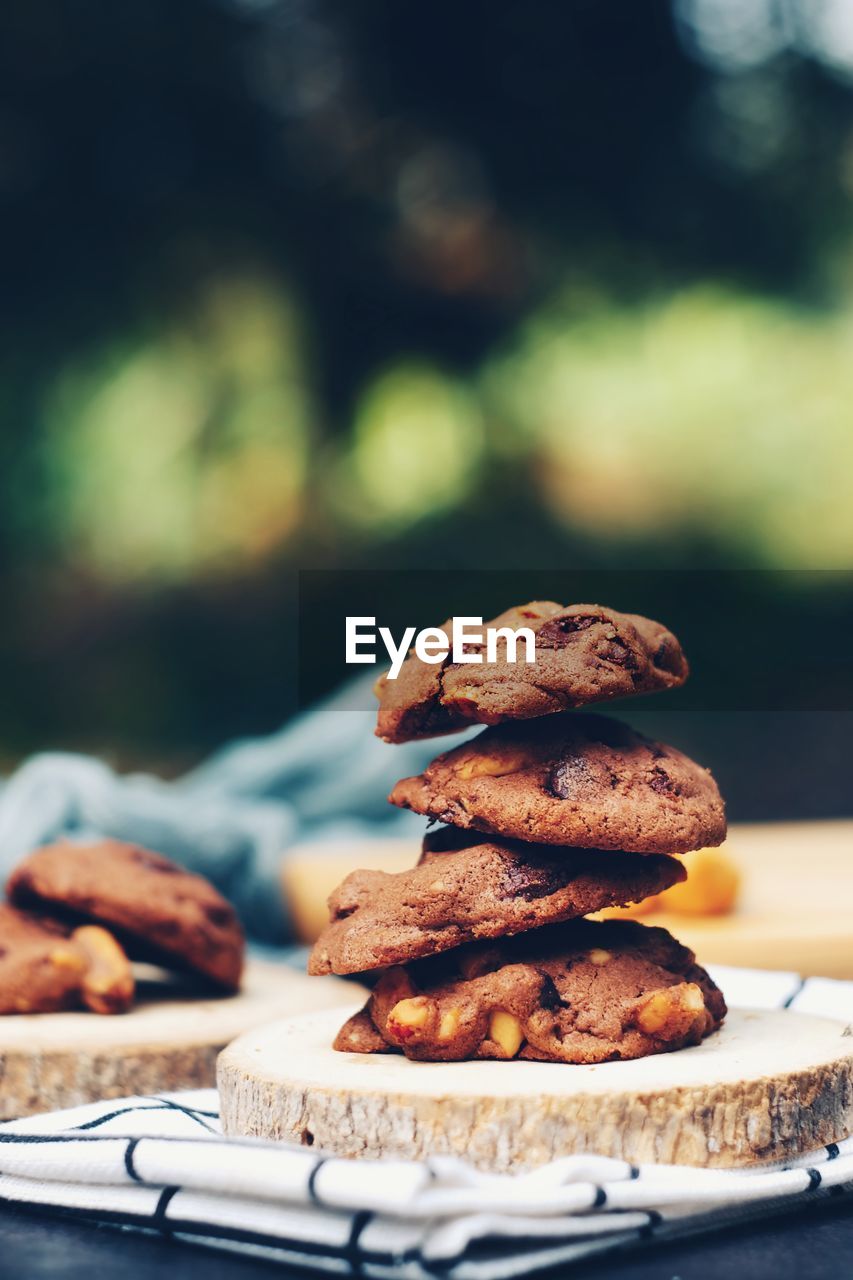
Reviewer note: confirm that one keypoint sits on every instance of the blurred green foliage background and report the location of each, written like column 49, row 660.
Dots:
column 310, row 283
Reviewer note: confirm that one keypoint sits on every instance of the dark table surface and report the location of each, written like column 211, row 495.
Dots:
column 812, row 1244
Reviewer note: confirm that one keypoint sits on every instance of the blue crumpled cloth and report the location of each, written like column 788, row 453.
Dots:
column 323, row 776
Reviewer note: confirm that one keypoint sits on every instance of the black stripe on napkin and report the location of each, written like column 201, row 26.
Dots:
column 786, row 1004
column 653, row 1219
column 352, row 1250
column 200, row 1117
column 128, row 1159
column 159, row 1219
column 313, row 1193
column 114, row 1115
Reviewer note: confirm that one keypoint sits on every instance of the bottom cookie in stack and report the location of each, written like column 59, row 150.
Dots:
column 582, row 991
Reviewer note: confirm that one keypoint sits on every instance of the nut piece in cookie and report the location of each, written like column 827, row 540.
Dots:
column 158, row 911
column 585, row 653
column 580, row 992
column 468, row 886
column 108, row 984
column 574, row 779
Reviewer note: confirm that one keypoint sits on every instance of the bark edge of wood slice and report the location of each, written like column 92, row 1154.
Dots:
column 169, row 1040
column 770, row 1085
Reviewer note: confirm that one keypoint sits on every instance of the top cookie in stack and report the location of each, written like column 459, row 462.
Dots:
column 584, row 653
column 481, row 949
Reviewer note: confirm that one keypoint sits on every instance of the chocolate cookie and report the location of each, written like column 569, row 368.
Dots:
column 489, row 889
column 579, row 780
column 584, row 653
column 43, row 970
column 40, row 971
column 580, row 992
column 160, row 912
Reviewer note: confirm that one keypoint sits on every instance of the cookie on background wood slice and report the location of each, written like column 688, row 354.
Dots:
column 580, row 992
column 573, row 779
column 584, row 653
column 159, row 912
column 39, row 968
column 467, row 887
column 45, row 968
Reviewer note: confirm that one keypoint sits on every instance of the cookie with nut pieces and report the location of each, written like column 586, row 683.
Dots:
column 468, row 886
column 585, row 653
column 46, row 968
column 158, row 911
column 574, row 779
column 580, row 992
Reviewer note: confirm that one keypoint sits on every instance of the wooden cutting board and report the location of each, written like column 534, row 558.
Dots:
column 795, row 910
column 770, row 1085
column 169, row 1040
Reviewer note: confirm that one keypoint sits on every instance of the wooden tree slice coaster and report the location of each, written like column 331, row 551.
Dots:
column 769, row 1085
column 169, row 1040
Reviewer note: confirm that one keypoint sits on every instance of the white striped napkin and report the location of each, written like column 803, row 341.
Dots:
column 161, row 1164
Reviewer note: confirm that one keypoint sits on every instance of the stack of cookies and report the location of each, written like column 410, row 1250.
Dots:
column 550, row 815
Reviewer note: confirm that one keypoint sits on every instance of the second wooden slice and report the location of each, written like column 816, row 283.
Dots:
column 169, row 1040
column 767, row 1086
